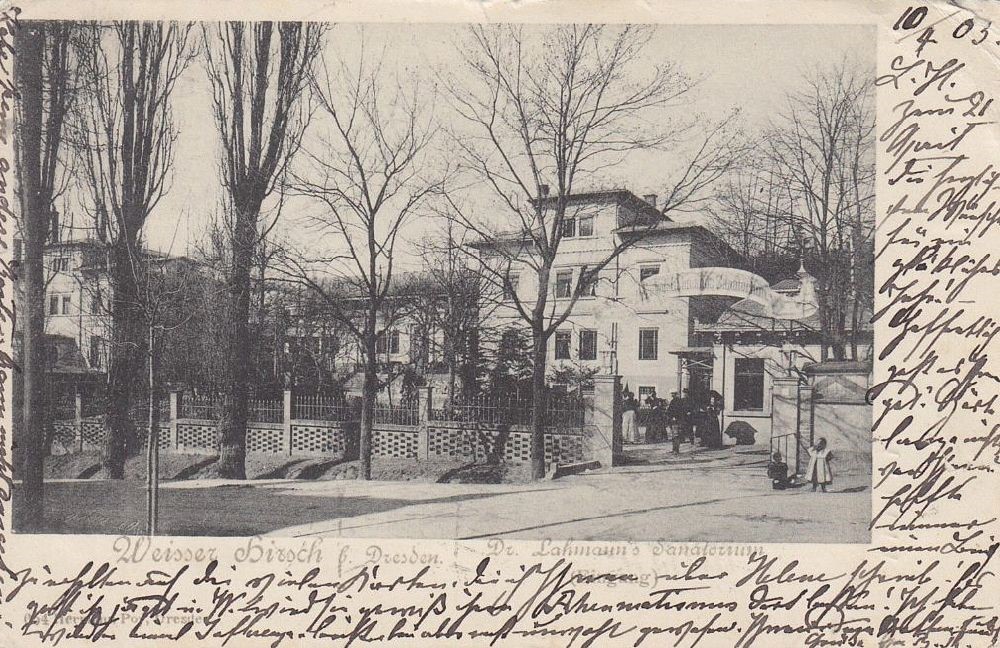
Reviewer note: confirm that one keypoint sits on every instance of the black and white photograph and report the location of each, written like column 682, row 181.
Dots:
column 563, row 282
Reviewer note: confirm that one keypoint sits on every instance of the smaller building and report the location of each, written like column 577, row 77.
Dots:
column 743, row 352
column 78, row 300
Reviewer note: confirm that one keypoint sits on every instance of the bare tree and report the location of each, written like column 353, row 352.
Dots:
column 369, row 173
column 458, row 304
column 751, row 209
column 548, row 111
column 44, row 75
column 259, row 74
column 822, row 149
column 125, row 139
column 171, row 300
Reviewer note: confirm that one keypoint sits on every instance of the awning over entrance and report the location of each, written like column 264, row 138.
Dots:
column 694, row 357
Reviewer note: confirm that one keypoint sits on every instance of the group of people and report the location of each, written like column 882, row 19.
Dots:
column 682, row 418
column 818, row 473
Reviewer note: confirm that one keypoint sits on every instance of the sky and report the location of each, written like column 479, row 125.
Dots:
column 751, row 68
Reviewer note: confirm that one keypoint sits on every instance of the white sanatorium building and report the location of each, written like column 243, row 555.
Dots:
column 616, row 327
column 706, row 336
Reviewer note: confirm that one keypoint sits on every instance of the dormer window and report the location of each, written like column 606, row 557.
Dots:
column 647, row 271
column 578, row 226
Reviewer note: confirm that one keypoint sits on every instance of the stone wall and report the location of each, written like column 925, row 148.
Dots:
column 829, row 402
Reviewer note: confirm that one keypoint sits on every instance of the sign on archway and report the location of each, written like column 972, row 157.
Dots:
column 733, row 282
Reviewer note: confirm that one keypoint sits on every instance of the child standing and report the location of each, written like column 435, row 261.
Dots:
column 819, row 465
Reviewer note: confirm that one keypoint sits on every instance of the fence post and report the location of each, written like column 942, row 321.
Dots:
column 286, row 420
column 603, row 437
column 175, row 405
column 78, row 420
column 806, row 430
column 425, row 401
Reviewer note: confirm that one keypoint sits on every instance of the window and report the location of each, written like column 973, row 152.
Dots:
column 96, row 346
column 748, row 384
column 645, row 272
column 387, row 342
column 590, row 287
column 649, row 342
column 564, row 283
column 588, row 344
column 95, row 304
column 645, row 391
column 53, row 304
column 65, row 304
column 510, row 287
column 62, row 264
column 562, row 345
column 587, row 225
column 569, row 227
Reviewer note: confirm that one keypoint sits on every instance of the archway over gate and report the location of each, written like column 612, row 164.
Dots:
column 733, row 282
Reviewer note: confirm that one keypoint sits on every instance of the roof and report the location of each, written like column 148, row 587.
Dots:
column 750, row 315
column 790, row 286
column 618, row 196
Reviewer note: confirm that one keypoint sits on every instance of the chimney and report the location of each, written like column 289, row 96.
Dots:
column 544, row 190
column 650, row 198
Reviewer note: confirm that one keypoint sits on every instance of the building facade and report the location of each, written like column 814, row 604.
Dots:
column 77, row 296
column 617, row 326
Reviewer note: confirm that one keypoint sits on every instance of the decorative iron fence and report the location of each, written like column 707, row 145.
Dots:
column 265, row 411
column 486, row 409
column 397, row 414
column 139, row 413
column 199, row 407
column 64, row 408
column 91, row 407
column 315, row 407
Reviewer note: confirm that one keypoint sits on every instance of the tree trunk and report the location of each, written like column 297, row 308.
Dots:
column 127, row 345
column 153, row 436
column 34, row 217
column 369, row 394
column 538, row 394
column 233, row 418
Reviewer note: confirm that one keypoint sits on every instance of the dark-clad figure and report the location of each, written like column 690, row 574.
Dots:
column 657, row 429
column 682, row 412
column 673, row 415
column 777, row 471
column 709, row 428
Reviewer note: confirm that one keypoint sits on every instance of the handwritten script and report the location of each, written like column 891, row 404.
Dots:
column 927, row 578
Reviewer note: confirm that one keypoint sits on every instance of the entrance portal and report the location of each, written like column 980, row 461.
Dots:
column 696, row 373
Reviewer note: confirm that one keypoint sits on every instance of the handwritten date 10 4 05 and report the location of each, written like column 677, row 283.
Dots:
column 913, row 17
